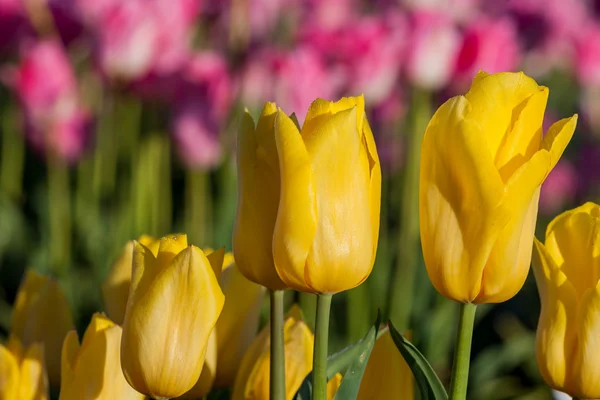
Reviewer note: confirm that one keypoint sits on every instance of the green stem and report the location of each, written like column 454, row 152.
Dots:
column 319, row 376
column 277, row 367
column 13, row 155
column 198, row 207
column 401, row 296
column 60, row 215
column 462, row 352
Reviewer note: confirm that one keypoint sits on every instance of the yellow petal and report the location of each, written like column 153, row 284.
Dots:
column 70, row 350
column 115, row 288
column 9, row 375
column 585, row 379
column 169, row 247
column 554, row 337
column 558, row 137
column 333, row 385
column 387, row 375
column 237, row 324
column 167, row 326
column 374, row 184
column 258, row 199
column 259, row 346
column 297, row 216
column 216, row 258
column 494, row 97
column 460, row 193
column 42, row 314
column 341, row 256
column 207, row 377
column 321, row 108
column 33, row 377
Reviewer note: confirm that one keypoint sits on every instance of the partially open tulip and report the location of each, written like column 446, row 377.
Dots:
column 42, row 314
column 567, row 272
column 115, row 288
column 92, row 369
column 483, row 160
column 387, row 375
column 252, row 380
column 258, row 199
column 327, row 226
column 23, row 372
column 174, row 303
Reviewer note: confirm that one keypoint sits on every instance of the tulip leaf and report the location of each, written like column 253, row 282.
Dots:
column 350, row 385
column 427, row 381
column 338, row 362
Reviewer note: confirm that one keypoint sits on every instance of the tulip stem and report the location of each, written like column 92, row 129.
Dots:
column 462, row 352
column 277, row 367
column 319, row 378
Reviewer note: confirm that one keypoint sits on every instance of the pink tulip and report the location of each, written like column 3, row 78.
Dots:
column 433, row 50
column 587, row 61
column 490, row 45
column 13, row 23
column 328, row 14
column 46, row 86
column 200, row 110
column 458, row 10
column 293, row 79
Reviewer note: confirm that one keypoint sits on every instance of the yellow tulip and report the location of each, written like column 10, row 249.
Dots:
column 23, row 373
column 327, row 225
column 92, row 369
column 483, row 160
column 252, row 380
column 42, row 314
column 567, row 272
column 387, row 375
column 115, row 288
column 258, row 199
column 238, row 323
column 174, row 303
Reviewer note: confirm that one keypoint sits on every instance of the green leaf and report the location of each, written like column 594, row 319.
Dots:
column 429, row 384
column 348, row 390
column 337, row 362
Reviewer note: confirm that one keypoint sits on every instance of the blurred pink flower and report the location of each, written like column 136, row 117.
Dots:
column 203, row 99
column 587, row 62
column 138, row 37
column 433, row 50
column 46, row 86
column 560, row 188
column 366, row 54
column 13, row 23
column 459, row 10
column 490, row 45
column 328, row 14
column 293, row 79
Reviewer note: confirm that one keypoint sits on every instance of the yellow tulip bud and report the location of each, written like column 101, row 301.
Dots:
column 23, row 373
column 115, row 288
column 387, row 375
column 92, row 370
column 483, row 160
column 174, row 303
column 258, row 199
column 42, row 314
column 327, row 226
column 238, row 323
column 567, row 272
column 252, row 379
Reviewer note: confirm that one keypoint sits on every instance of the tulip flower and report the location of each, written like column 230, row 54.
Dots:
column 42, row 314
column 387, row 375
column 252, row 380
column 258, row 199
column 115, row 288
column 92, row 369
column 174, row 303
column 327, row 226
column 483, row 160
column 567, row 273
column 23, row 372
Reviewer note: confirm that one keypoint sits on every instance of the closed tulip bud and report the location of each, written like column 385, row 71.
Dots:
column 483, row 159
column 252, row 380
column 92, row 369
column 258, row 199
column 567, row 272
column 23, row 372
column 174, row 303
column 42, row 314
column 115, row 288
column 387, row 375
column 327, row 225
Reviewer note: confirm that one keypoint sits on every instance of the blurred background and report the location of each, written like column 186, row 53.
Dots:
column 118, row 118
